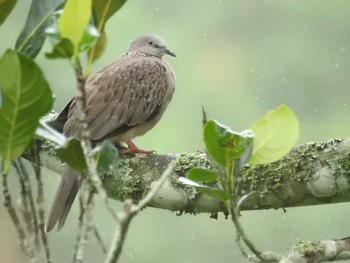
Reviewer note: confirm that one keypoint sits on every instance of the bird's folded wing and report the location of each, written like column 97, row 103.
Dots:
column 126, row 92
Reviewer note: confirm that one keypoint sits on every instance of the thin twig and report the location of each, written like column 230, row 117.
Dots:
column 40, row 202
column 24, row 207
column 240, row 230
column 14, row 217
column 204, row 117
column 99, row 239
column 30, row 197
column 85, row 215
column 129, row 212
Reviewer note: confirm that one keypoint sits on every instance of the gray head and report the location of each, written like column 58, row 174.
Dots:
column 150, row 45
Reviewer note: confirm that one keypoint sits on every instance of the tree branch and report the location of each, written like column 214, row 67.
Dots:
column 311, row 174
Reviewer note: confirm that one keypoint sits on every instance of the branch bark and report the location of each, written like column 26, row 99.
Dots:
column 311, row 174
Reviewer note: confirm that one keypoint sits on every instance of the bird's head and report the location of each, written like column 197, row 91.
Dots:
column 150, row 45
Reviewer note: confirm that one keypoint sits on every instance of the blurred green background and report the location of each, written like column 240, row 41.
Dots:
column 239, row 59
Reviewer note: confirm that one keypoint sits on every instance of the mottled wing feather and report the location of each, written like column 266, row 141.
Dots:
column 126, row 92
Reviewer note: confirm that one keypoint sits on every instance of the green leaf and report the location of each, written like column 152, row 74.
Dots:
column 26, row 98
column 72, row 153
column 0, row 95
column 6, row 6
column 33, row 34
column 274, row 135
column 103, row 10
column 223, row 144
column 63, row 49
column 74, row 20
column 201, row 175
column 89, row 38
column 106, row 154
column 217, row 193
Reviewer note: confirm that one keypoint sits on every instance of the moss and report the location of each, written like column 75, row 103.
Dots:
column 311, row 249
column 121, row 182
column 184, row 163
column 298, row 166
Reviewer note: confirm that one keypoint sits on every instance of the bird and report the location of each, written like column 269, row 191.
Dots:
column 124, row 99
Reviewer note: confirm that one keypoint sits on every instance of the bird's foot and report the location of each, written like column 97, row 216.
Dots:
column 132, row 149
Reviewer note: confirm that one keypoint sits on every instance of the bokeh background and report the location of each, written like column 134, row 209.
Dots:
column 238, row 59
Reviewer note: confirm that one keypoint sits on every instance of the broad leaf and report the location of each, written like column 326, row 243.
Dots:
column 6, row 6
column 106, row 154
column 223, row 144
column 201, row 175
column 33, row 34
column 26, row 98
column 102, row 11
column 72, row 153
column 274, row 135
column 74, row 20
column 63, row 49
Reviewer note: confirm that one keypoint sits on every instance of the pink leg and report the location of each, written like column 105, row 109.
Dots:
column 132, row 148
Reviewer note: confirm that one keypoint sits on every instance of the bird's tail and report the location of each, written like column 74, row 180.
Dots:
column 65, row 195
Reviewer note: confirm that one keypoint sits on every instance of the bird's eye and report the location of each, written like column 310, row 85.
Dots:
column 150, row 43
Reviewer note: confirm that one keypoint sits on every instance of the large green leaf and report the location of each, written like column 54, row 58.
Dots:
column 274, row 135
column 26, row 98
column 102, row 11
column 223, row 144
column 200, row 175
column 72, row 153
column 6, row 6
column 33, row 34
column 105, row 154
column 74, row 20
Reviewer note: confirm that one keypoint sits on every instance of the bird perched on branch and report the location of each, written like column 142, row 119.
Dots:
column 125, row 99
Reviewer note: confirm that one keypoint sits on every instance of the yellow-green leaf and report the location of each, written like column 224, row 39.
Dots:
column 74, row 19
column 274, row 135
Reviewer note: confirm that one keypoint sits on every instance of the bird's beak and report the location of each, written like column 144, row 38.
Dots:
column 167, row 51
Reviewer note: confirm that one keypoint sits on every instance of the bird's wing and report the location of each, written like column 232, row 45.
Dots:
column 123, row 94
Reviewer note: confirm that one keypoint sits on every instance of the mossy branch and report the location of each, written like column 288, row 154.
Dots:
column 311, row 174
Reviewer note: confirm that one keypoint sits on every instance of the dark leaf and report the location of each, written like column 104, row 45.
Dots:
column 6, row 6
column 63, row 49
column 33, row 34
column 26, row 98
column 201, row 175
column 102, row 11
column 223, row 144
column 72, row 154
column 89, row 38
column 106, row 154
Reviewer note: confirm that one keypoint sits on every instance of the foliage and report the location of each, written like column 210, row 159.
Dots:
column 271, row 137
column 33, row 34
column 6, row 7
column 24, row 90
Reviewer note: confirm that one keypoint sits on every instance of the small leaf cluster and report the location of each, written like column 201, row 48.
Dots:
column 269, row 139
